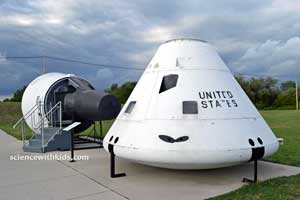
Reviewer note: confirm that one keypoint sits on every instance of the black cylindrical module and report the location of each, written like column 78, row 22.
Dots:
column 91, row 105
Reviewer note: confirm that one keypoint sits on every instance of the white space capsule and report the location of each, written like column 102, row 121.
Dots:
column 187, row 111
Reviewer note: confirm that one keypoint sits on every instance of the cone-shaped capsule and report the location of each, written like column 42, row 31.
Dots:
column 187, row 111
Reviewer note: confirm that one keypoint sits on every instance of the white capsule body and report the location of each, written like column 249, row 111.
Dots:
column 202, row 119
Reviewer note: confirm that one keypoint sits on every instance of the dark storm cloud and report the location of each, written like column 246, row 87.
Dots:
column 252, row 36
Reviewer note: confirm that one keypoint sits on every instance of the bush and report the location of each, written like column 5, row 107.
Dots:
column 122, row 92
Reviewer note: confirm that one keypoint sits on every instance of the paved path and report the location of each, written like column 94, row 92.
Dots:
column 89, row 180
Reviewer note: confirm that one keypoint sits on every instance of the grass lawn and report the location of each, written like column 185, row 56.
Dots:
column 284, row 123
column 10, row 113
column 105, row 127
column 278, row 188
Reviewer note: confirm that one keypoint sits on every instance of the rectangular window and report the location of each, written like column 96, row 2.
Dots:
column 168, row 82
column 189, row 107
column 130, row 106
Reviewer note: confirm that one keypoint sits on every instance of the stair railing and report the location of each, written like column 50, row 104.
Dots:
column 22, row 121
column 47, row 120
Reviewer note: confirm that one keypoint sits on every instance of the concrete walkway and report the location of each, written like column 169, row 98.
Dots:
column 87, row 180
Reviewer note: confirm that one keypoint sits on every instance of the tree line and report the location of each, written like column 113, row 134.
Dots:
column 265, row 93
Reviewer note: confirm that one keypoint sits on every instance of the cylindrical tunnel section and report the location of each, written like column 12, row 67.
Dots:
column 80, row 102
column 91, row 105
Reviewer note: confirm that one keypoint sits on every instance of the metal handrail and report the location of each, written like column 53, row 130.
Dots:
column 22, row 120
column 52, row 136
column 28, row 114
column 41, row 124
column 57, row 105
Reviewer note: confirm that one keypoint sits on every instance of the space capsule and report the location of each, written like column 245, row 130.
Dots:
column 187, row 111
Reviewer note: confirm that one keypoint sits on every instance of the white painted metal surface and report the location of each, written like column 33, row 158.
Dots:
column 73, row 125
column 36, row 92
column 218, row 135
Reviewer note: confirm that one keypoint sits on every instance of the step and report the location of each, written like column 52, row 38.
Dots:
column 36, row 149
column 48, row 129
column 60, row 141
column 51, row 129
column 36, row 142
column 48, row 132
column 46, row 136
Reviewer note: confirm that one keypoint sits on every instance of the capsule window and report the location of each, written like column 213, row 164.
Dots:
column 189, row 107
column 168, row 82
column 130, row 107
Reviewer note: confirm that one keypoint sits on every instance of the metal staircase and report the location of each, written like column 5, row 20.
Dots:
column 47, row 134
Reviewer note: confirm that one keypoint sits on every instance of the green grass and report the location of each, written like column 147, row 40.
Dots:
column 286, row 125
column 10, row 113
column 105, row 127
column 278, row 188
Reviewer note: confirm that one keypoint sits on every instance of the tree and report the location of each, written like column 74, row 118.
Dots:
column 114, row 86
column 121, row 92
column 262, row 91
column 286, row 98
column 17, row 97
column 285, row 86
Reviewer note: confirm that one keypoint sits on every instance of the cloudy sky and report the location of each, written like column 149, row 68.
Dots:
column 252, row 36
